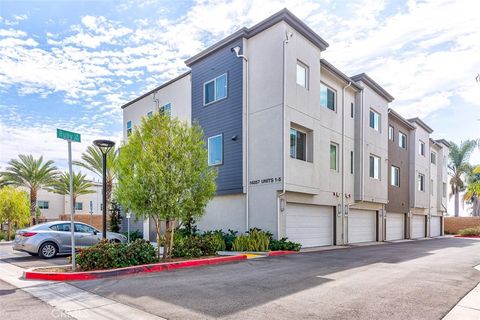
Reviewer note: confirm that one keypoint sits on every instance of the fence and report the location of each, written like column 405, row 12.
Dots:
column 91, row 219
column 453, row 224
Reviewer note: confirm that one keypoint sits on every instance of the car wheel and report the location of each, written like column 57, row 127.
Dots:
column 48, row 250
column 114, row 241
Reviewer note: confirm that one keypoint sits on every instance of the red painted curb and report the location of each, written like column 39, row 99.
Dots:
column 467, row 237
column 147, row 268
column 280, row 253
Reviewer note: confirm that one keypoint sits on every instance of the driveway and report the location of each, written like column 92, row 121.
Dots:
column 26, row 261
column 409, row 280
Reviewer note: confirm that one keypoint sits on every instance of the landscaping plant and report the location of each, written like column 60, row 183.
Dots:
column 14, row 208
column 469, row 231
column 255, row 240
column 284, row 244
column 115, row 217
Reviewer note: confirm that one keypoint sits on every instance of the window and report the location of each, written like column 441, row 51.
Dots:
column 334, row 156
column 431, row 186
column 421, row 182
column 351, row 110
column 79, row 206
column 444, row 190
column 327, row 97
column 395, row 176
column 374, row 120
column 374, row 167
column 390, row 133
column 129, row 128
column 83, row 228
column 402, row 140
column 149, row 114
column 166, row 110
column 42, row 204
column 65, row 227
column 421, row 149
column 215, row 89
column 351, row 162
column 298, row 144
column 215, row 150
column 302, row 75
column 433, row 158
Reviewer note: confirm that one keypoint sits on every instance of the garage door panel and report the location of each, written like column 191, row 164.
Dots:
column 435, row 226
column 362, row 226
column 395, row 226
column 418, row 226
column 310, row 225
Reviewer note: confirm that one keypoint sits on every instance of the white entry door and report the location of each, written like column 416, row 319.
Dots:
column 309, row 225
column 435, row 226
column 395, row 226
column 362, row 226
column 418, row 226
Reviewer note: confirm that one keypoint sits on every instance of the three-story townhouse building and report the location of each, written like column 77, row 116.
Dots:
column 301, row 149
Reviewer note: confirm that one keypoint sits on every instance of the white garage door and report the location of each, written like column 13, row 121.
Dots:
column 395, row 226
column 435, row 226
column 418, row 226
column 310, row 225
column 362, row 226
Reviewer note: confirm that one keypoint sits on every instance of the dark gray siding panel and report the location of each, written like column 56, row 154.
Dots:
column 134, row 225
column 224, row 116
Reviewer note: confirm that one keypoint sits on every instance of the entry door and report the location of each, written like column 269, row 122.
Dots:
column 362, row 226
column 436, row 226
column 310, row 225
column 418, row 226
column 395, row 226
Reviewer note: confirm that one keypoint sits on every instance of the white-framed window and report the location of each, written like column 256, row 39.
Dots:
column 352, row 164
column 302, row 74
column 149, row 114
column 328, row 97
column 374, row 167
column 79, row 206
column 433, row 158
column 215, row 150
column 166, row 110
column 421, row 148
column 390, row 133
column 421, row 182
column 298, row 144
column 42, row 204
column 129, row 128
column 334, row 156
column 444, row 189
column 402, row 140
column 215, row 89
column 374, row 120
column 395, row 176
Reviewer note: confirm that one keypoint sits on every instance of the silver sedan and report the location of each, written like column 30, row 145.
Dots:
column 52, row 238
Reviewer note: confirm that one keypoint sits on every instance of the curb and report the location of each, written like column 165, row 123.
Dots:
column 280, row 253
column 147, row 268
column 468, row 237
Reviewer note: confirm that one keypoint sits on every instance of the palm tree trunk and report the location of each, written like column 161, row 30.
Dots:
column 457, row 202
column 109, row 194
column 33, row 205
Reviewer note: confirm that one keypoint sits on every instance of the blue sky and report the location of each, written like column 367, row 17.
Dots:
column 72, row 64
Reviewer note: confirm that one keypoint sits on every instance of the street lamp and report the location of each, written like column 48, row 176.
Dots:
column 105, row 146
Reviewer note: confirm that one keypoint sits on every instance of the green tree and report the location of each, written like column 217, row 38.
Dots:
column 30, row 173
column 472, row 194
column 115, row 217
column 92, row 160
column 14, row 208
column 80, row 185
column 459, row 167
column 163, row 174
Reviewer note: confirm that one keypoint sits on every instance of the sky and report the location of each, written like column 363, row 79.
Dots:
column 72, row 64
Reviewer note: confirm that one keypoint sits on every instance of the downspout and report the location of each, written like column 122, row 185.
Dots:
column 343, row 161
column 247, row 202
column 362, row 176
column 288, row 36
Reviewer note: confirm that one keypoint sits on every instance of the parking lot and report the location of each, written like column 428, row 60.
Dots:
column 26, row 261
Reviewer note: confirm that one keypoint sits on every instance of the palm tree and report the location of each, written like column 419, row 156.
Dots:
column 92, row 160
column 459, row 167
column 80, row 185
column 472, row 194
column 32, row 174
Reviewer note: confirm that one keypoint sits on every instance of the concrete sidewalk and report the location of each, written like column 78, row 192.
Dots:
column 469, row 307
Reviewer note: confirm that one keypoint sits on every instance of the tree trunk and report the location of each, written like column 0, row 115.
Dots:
column 172, row 232
column 108, row 190
column 33, row 206
column 165, row 242
column 9, row 229
column 457, row 202
column 157, row 228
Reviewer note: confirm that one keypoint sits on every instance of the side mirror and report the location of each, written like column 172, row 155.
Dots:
column 95, row 232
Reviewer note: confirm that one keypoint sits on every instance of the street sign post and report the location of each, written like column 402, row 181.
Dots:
column 69, row 137
column 128, row 215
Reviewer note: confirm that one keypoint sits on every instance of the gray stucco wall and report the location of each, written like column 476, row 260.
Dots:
column 224, row 116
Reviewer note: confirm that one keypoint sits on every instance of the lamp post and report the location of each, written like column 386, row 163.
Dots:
column 105, row 146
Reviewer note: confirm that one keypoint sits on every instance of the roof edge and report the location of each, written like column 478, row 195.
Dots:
column 444, row 142
column 328, row 66
column 401, row 119
column 372, row 84
column 169, row 82
column 421, row 124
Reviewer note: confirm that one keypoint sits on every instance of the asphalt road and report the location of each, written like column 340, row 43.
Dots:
column 26, row 261
column 409, row 280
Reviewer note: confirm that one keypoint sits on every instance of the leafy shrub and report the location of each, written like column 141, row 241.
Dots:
column 256, row 240
column 195, row 246
column 217, row 237
column 470, row 232
column 108, row 255
column 284, row 244
column 134, row 235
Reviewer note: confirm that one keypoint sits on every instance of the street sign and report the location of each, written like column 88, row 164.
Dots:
column 68, row 135
column 128, row 214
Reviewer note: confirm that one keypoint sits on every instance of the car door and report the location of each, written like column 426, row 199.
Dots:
column 61, row 232
column 85, row 234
